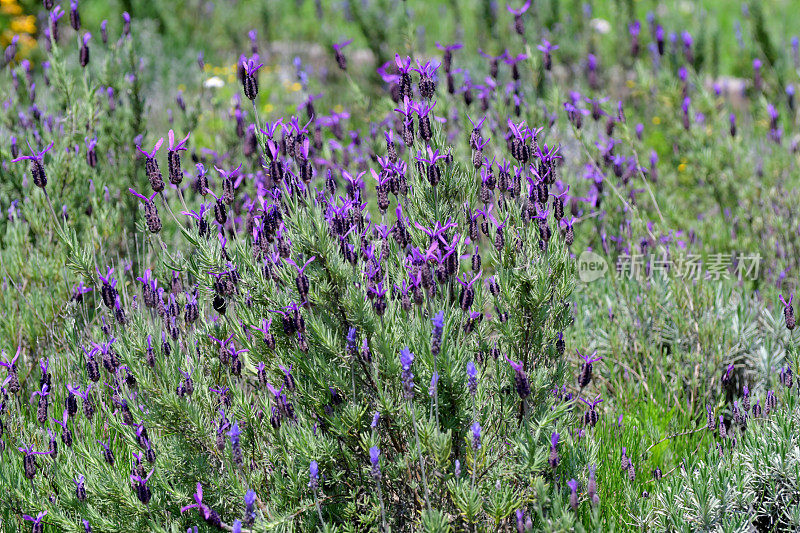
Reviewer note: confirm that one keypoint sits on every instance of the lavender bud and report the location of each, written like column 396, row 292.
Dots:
column 476, row 436
column 788, row 312
column 591, row 486
column 472, row 379
column 236, row 448
column 407, row 377
column 74, row 16
column 80, row 488
column 83, row 54
column 573, row 496
column 374, row 457
column 553, row 460
column 520, row 379
column 436, row 333
column 313, row 474
column 786, row 377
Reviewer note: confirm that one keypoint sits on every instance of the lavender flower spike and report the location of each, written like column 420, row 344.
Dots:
column 788, row 311
column 519, row 27
column 586, row 370
column 313, row 474
column 341, row 60
column 472, row 379
column 520, row 379
column 476, row 436
column 250, row 78
column 406, row 359
column 150, row 211
column 174, row 158
column 37, row 165
column 546, row 47
column 437, row 332
column 151, row 166
column 553, row 460
column 374, row 458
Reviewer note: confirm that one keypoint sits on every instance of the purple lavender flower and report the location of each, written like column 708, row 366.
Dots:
column 249, row 513
column 633, row 30
column 591, row 417
column 546, row 48
column 174, row 158
column 374, row 458
column 151, row 166
column 29, row 460
column 83, row 53
column 423, row 111
column 788, row 311
column 476, row 436
column 520, row 379
column 108, row 453
column 11, row 49
column 80, row 488
column 519, row 26
column 229, row 182
column 143, row 492
column 591, row 487
column 467, row 293
column 403, row 68
column 553, row 460
column 236, row 447
column 427, row 81
column 726, row 377
column 313, row 474
column 37, row 526
column 74, row 16
column 301, row 281
column 472, row 379
column 250, row 69
column 585, row 375
column 757, row 74
column 786, row 377
column 447, row 58
column 573, row 496
column 434, row 385
column 341, row 60
column 55, row 16
column 150, row 211
column 11, row 367
column 206, row 513
column 436, row 333
column 406, row 359
column 41, row 411
column 37, row 165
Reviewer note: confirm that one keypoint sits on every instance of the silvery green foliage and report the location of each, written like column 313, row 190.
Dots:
column 748, row 481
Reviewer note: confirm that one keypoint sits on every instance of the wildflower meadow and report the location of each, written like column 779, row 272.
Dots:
column 399, row 265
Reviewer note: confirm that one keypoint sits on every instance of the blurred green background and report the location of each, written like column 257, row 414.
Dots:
column 219, row 29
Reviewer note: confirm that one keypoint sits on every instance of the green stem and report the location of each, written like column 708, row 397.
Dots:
column 421, row 462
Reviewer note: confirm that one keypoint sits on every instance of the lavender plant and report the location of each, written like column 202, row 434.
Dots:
column 244, row 349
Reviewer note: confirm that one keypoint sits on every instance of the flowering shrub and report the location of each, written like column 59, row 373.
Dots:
column 242, row 314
